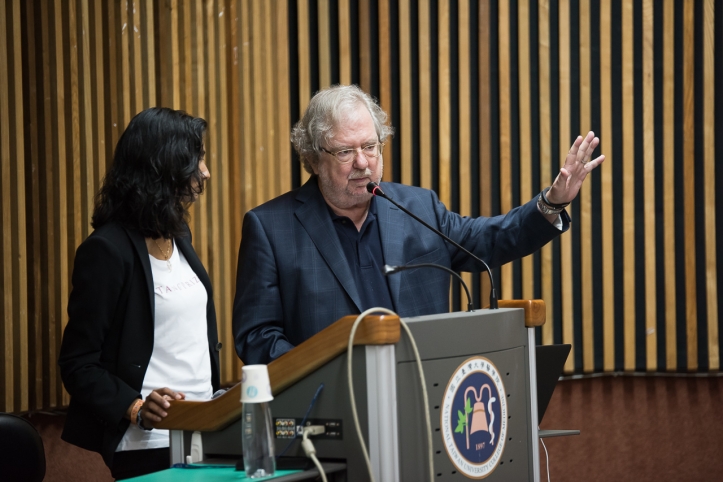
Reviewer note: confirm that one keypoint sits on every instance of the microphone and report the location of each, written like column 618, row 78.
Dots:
column 396, row 269
column 375, row 189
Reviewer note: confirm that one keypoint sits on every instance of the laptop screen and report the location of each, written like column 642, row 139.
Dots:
column 550, row 362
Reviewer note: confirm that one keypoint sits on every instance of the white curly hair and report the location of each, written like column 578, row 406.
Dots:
column 326, row 109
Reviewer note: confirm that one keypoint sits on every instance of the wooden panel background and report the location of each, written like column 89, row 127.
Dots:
column 486, row 96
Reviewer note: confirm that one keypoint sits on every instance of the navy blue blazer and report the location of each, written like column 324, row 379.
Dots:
column 293, row 279
column 108, row 341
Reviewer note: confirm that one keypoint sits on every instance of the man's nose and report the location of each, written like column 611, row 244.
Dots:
column 360, row 160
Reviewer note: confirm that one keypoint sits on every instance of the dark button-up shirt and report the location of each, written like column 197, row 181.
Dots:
column 363, row 251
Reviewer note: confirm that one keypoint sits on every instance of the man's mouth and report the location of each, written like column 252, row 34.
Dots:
column 360, row 176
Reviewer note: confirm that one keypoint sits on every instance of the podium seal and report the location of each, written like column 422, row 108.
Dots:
column 474, row 418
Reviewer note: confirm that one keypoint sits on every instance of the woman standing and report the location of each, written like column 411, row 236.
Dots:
column 142, row 324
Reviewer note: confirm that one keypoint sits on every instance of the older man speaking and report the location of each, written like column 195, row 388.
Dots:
column 315, row 254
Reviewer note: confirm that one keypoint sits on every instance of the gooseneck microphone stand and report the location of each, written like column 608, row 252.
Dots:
column 396, row 269
column 374, row 189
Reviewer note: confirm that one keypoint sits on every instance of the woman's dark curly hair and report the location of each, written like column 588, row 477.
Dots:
column 155, row 174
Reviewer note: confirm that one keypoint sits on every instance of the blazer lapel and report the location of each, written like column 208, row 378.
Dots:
column 314, row 217
column 392, row 225
column 139, row 243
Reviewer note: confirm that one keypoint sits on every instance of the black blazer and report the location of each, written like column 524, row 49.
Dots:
column 108, row 341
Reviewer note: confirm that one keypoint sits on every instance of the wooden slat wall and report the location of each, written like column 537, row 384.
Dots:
column 486, row 97
column 628, row 170
column 564, row 134
column 484, row 102
column 224, row 65
column 545, row 156
column 649, row 185
column 691, row 314
column 525, row 129
column 14, row 335
column 72, row 74
column 606, row 187
column 505, row 130
column 709, row 199
column 585, row 226
column 669, row 183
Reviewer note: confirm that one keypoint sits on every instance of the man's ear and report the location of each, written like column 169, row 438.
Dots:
column 314, row 163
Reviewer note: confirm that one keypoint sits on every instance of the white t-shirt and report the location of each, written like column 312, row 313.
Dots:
column 180, row 358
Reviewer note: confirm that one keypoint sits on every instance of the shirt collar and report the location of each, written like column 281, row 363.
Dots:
column 371, row 214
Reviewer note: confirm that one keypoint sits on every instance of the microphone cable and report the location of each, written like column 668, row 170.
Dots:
column 421, row 378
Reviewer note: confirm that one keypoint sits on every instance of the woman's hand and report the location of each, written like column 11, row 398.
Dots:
column 156, row 402
column 153, row 409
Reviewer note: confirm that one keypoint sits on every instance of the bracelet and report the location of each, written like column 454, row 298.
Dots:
column 136, row 410
column 549, row 204
column 546, row 208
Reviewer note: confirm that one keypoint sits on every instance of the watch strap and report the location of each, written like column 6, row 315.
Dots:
column 546, row 208
column 552, row 205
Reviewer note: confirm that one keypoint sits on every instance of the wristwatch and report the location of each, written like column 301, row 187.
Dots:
column 546, row 201
column 546, row 207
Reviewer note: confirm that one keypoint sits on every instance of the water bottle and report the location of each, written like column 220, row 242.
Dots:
column 257, row 435
column 258, row 440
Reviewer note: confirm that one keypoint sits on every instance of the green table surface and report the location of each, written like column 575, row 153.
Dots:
column 202, row 474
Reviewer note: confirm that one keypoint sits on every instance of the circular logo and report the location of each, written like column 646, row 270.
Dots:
column 474, row 418
column 252, row 391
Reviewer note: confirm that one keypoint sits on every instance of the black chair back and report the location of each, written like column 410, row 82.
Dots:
column 22, row 456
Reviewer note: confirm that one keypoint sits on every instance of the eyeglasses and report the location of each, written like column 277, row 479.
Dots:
column 345, row 156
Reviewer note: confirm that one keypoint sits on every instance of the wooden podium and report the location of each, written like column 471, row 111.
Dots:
column 479, row 369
